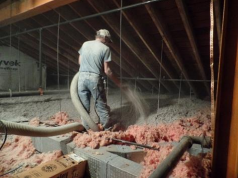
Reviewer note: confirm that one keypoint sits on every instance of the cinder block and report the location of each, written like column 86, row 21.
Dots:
column 97, row 161
column 70, row 147
column 120, row 168
column 103, row 164
column 136, row 155
column 45, row 144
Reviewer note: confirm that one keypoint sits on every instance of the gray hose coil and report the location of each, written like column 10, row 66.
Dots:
column 27, row 130
column 78, row 105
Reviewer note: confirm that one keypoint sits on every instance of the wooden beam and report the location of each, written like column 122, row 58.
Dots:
column 164, row 32
column 188, row 27
column 217, row 10
column 19, row 10
column 225, row 157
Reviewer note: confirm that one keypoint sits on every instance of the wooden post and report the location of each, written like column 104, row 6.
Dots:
column 225, row 155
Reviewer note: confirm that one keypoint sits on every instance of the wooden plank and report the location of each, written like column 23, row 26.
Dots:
column 19, row 10
column 225, row 157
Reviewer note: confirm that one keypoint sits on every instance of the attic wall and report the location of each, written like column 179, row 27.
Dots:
column 19, row 71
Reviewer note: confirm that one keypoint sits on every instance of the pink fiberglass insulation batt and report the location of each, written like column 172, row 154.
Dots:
column 19, row 151
column 60, row 118
column 35, row 121
column 146, row 134
column 97, row 139
column 188, row 167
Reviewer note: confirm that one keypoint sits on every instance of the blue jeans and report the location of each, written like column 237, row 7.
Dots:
column 91, row 84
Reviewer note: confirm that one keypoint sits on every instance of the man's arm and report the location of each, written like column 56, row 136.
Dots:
column 110, row 74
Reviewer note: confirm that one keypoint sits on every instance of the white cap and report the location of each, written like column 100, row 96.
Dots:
column 104, row 33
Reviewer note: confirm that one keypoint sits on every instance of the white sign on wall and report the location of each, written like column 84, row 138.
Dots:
column 19, row 71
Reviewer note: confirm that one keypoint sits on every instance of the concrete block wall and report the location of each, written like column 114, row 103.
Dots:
column 114, row 161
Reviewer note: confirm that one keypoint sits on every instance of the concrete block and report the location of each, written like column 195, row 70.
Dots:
column 70, row 147
column 97, row 161
column 45, row 144
column 104, row 164
column 136, row 155
column 120, row 168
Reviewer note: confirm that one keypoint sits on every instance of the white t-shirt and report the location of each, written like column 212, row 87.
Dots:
column 93, row 54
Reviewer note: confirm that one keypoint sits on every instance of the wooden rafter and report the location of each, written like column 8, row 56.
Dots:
column 225, row 150
column 188, row 27
column 164, row 32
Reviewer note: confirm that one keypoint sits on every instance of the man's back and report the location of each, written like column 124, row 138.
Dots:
column 93, row 54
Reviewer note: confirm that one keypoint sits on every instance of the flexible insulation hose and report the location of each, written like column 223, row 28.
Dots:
column 27, row 130
column 78, row 105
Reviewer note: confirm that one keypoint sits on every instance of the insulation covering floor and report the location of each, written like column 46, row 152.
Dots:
column 174, row 119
